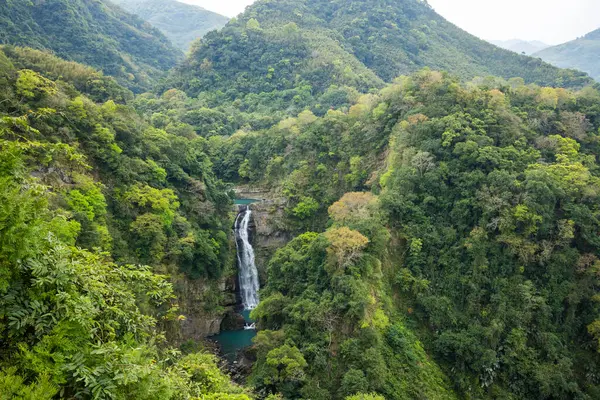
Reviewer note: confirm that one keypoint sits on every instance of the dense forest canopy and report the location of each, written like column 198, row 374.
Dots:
column 181, row 23
column 444, row 225
column 295, row 51
column 474, row 227
column 89, row 192
column 92, row 32
column 479, row 233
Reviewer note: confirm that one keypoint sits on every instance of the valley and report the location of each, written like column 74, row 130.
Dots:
column 347, row 200
column 181, row 23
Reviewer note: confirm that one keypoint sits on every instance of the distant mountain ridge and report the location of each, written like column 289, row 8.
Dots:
column 279, row 45
column 93, row 32
column 582, row 54
column 527, row 47
column 181, row 23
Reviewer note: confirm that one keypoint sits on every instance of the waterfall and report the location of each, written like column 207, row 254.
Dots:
column 248, row 273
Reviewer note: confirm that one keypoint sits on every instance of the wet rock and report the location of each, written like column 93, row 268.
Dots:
column 241, row 368
column 269, row 227
column 233, row 321
column 200, row 316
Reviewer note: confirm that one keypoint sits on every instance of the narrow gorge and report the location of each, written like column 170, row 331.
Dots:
column 235, row 334
column 247, row 271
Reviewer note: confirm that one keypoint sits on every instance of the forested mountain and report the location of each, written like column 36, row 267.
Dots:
column 93, row 32
column 521, row 46
column 438, row 232
column 459, row 219
column 88, row 191
column 582, row 54
column 289, row 53
column 181, row 23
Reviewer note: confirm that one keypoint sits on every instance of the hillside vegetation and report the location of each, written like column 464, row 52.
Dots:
column 89, row 192
column 181, row 23
column 92, row 32
column 445, row 224
column 463, row 214
column 582, row 54
column 306, row 53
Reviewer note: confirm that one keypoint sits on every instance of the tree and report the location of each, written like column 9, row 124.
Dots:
column 345, row 247
column 286, row 364
column 75, row 180
column 12, row 386
column 354, row 381
column 423, row 162
column 306, row 208
column 352, row 207
column 365, row 396
column 253, row 25
column 31, row 85
column 150, row 237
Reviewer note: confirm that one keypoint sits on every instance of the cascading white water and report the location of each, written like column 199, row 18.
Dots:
column 248, row 273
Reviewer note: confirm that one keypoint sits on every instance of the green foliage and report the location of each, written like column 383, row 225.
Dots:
column 13, row 387
column 324, row 304
column 85, row 79
column 289, row 55
column 494, row 227
column 354, row 381
column 306, row 208
column 207, row 380
column 89, row 208
column 253, row 25
column 31, row 85
column 284, row 75
column 181, row 23
column 364, row 396
column 285, row 365
column 453, row 228
column 75, row 322
column 144, row 202
column 96, row 33
column 480, row 247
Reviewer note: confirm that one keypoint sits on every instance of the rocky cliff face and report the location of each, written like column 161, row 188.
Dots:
column 268, row 224
column 212, row 306
column 203, row 305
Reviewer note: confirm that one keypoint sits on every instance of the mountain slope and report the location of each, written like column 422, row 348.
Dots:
column 521, row 46
column 582, row 54
column 290, row 44
column 487, row 200
column 91, row 32
column 181, row 23
column 89, row 192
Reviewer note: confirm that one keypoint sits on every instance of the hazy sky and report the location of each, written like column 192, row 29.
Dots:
column 229, row 8
column 551, row 21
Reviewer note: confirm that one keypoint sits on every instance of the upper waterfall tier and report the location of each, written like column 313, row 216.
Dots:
column 248, row 273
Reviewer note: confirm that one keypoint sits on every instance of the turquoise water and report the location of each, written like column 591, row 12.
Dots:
column 246, row 315
column 233, row 341
column 245, row 202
